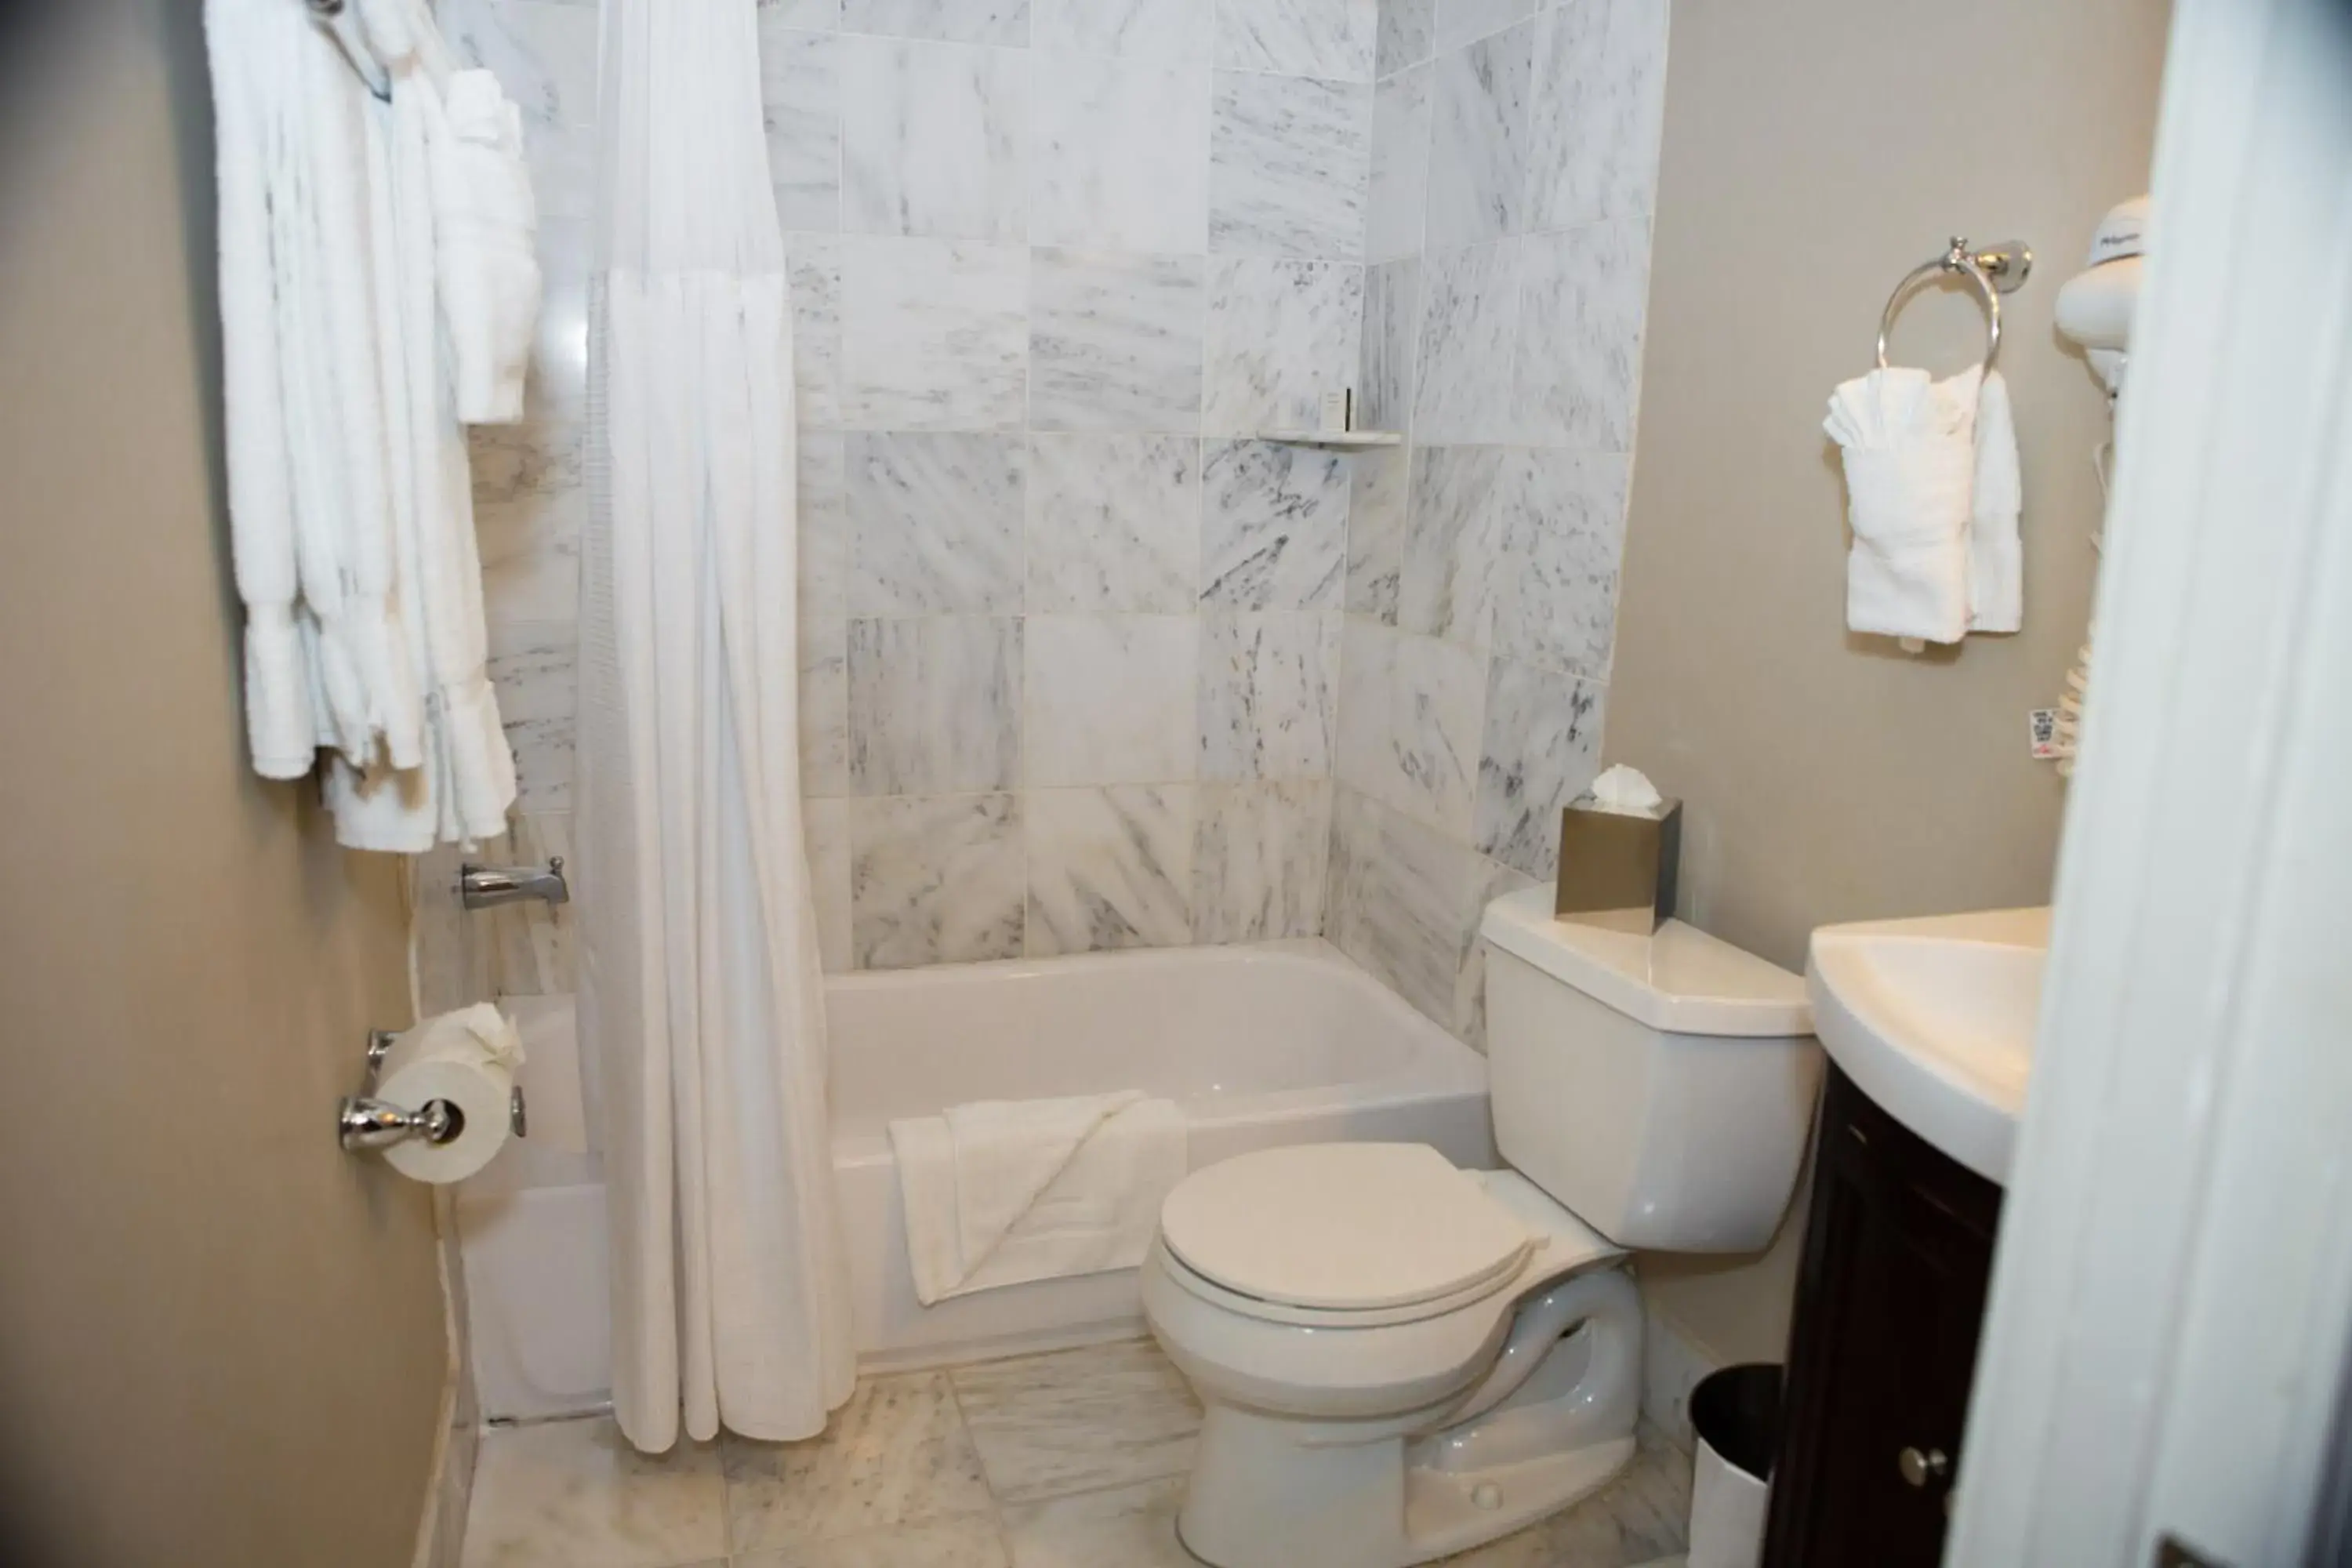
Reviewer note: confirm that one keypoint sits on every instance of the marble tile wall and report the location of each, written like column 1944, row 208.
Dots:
column 1507, row 225
column 1071, row 635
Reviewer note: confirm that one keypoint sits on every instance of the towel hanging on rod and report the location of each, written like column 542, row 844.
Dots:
column 1997, row 269
column 1931, row 474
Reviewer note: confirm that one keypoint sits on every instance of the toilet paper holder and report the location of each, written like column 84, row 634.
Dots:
column 365, row 1122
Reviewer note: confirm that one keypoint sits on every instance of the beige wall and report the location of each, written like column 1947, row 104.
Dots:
column 1814, row 152
column 220, row 1338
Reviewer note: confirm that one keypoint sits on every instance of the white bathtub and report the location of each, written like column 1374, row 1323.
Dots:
column 1280, row 1043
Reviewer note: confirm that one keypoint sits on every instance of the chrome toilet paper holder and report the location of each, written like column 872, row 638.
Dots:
column 365, row 1122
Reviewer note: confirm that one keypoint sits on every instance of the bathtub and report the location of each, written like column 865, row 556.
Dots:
column 1276, row 1043
column 1279, row 1043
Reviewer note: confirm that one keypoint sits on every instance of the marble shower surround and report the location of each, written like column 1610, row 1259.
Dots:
column 1027, row 520
column 1514, row 156
column 1070, row 641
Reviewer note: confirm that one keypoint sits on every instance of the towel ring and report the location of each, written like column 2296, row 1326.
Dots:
column 1997, row 269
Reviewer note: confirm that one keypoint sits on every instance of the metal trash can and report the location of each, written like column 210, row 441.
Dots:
column 1736, row 1414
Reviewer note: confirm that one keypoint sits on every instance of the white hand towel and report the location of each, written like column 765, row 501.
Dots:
column 487, row 228
column 1002, row 1192
column 1996, row 554
column 1910, row 467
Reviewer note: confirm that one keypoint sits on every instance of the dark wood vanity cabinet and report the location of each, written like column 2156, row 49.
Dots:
column 1898, row 1253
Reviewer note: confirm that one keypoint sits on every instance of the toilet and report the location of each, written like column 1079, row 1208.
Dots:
column 1398, row 1359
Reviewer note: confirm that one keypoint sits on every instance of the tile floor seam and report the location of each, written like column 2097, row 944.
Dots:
column 1130, row 1483
column 726, row 1501
column 963, row 1421
column 996, row 1500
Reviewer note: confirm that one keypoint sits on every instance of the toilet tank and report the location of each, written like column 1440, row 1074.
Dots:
column 1659, row 1087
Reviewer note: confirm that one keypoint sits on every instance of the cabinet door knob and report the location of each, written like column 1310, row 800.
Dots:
column 1920, row 1468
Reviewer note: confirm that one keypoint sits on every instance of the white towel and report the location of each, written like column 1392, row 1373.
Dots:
column 478, row 765
column 247, row 49
column 351, row 511
column 1005, row 1192
column 469, row 774
column 1909, row 445
column 1996, row 554
column 487, row 227
column 350, row 504
column 308, row 489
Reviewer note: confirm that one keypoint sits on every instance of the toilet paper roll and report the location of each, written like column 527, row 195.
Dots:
column 467, row 1058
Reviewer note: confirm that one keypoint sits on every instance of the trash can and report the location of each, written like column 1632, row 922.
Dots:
column 1736, row 1414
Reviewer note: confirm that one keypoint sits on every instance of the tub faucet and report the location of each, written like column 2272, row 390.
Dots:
column 485, row 887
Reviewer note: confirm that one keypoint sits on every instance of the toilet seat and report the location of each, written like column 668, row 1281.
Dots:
column 1282, row 1314
column 1393, row 1230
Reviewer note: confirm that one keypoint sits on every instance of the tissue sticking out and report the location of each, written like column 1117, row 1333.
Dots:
column 1627, row 791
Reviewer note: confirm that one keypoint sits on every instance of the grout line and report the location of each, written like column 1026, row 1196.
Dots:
column 1132, row 1483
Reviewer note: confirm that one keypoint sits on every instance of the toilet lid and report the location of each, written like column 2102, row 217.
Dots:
column 1343, row 1226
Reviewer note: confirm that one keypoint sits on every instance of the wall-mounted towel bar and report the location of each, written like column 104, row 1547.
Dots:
column 1998, row 269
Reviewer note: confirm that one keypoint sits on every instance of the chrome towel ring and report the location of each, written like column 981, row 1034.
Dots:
column 1997, row 269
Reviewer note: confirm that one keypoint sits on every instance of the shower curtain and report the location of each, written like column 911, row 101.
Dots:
column 701, row 1004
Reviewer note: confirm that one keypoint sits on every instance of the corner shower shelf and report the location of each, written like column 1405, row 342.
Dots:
column 1341, row 440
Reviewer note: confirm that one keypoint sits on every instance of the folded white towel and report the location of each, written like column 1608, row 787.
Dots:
column 1005, row 1192
column 1909, row 445
column 487, row 228
column 1996, row 554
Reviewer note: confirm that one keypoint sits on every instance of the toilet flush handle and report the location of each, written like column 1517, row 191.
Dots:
column 1920, row 1467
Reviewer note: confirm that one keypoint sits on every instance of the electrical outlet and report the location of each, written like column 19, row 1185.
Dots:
column 2042, row 736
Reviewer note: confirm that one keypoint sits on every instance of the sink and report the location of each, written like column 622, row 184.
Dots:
column 1934, row 1019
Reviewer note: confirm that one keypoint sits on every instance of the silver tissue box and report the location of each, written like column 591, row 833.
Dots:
column 1616, row 870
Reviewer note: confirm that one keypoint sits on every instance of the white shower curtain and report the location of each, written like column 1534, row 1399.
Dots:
column 701, row 997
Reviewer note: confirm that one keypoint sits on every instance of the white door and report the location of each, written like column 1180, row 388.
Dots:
column 2167, row 1330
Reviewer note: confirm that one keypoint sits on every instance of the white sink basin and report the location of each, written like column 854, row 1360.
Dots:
column 1934, row 1019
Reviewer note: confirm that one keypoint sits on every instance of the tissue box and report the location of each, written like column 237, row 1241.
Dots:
column 1617, row 871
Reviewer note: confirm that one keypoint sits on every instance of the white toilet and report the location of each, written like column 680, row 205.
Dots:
column 1399, row 1359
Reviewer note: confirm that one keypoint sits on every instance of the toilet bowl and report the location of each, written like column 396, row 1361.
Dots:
column 1398, row 1359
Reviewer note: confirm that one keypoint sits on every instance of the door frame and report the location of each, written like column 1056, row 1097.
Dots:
column 2166, row 1335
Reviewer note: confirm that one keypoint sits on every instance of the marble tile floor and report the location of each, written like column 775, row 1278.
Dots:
column 1074, row 1459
